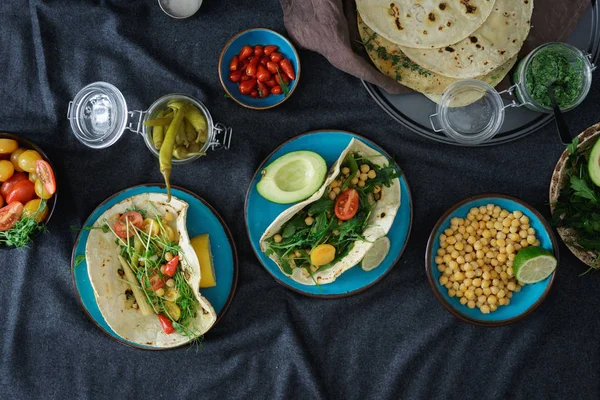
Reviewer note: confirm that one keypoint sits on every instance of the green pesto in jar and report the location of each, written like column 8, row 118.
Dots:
column 551, row 65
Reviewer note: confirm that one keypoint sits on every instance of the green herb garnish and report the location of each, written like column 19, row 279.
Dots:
column 23, row 231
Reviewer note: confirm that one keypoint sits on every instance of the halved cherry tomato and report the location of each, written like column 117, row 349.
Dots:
column 271, row 83
column 276, row 57
column 346, row 205
column 272, row 67
column 252, row 67
column 46, row 175
column 234, row 64
column 22, row 192
column 258, row 50
column 254, row 94
column 121, row 230
column 276, row 90
column 262, row 74
column 8, row 185
column 9, row 215
column 166, row 324
column 155, row 283
column 171, row 266
column 247, row 86
column 270, row 49
column 245, row 52
column 286, row 66
column 235, row 76
column 263, row 90
column 134, row 218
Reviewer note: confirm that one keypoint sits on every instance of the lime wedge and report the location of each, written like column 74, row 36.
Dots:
column 534, row 264
column 376, row 254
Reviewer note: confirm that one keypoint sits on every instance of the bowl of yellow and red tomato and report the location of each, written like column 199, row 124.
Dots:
column 27, row 190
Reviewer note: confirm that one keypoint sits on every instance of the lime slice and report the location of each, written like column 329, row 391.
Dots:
column 534, row 264
column 376, row 254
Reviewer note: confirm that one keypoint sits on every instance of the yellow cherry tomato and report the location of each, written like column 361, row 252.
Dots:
column 7, row 146
column 33, row 177
column 32, row 209
column 170, row 233
column 7, row 169
column 14, row 158
column 41, row 191
column 322, row 254
column 148, row 223
column 27, row 160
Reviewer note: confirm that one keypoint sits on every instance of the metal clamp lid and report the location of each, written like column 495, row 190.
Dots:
column 225, row 142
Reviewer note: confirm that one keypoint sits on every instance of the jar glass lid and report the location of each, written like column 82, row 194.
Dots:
column 470, row 112
column 98, row 115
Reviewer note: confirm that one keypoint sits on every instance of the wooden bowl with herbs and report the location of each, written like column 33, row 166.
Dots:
column 575, row 196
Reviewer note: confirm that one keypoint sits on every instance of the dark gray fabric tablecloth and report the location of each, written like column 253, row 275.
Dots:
column 393, row 341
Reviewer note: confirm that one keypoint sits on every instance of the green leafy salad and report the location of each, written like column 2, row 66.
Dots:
column 324, row 232
column 578, row 204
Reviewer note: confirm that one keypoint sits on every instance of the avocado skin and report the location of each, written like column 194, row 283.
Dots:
column 594, row 164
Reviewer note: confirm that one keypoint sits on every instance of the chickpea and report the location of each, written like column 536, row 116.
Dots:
column 365, row 168
column 376, row 189
column 361, row 184
column 309, row 221
column 337, row 190
column 354, row 181
column 335, row 184
column 346, row 171
column 332, row 195
column 160, row 292
column 168, row 256
column 171, row 282
column 372, row 174
column 278, row 238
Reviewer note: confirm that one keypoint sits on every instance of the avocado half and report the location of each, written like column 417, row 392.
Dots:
column 594, row 164
column 292, row 177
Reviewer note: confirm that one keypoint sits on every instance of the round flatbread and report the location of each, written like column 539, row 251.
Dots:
column 498, row 40
column 424, row 24
column 390, row 60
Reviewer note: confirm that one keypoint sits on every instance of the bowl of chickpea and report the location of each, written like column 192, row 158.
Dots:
column 470, row 254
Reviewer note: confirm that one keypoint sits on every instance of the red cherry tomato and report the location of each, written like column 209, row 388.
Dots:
column 245, row 78
column 247, row 86
column 276, row 90
column 245, row 52
column 235, row 62
column 254, row 94
column 121, row 229
column 156, row 282
column 262, row 74
column 264, row 60
column 166, row 324
column 276, row 57
column 134, row 218
column 263, row 90
column 271, row 83
column 171, row 266
column 8, row 185
column 286, row 66
column 46, row 175
column 235, row 76
column 244, row 64
column 252, row 67
column 346, row 205
column 268, row 50
column 258, row 50
column 272, row 67
column 22, row 192
column 9, row 215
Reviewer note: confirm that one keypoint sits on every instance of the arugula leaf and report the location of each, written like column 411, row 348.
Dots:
column 292, row 225
column 573, row 146
column 79, row 259
column 320, row 206
column 582, row 189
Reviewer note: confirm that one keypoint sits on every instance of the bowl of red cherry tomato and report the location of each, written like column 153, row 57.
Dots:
column 27, row 190
column 259, row 68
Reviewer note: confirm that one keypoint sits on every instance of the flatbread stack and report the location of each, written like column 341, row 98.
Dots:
column 427, row 45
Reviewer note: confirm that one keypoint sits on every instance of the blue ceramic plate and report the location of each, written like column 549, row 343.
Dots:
column 253, row 37
column 201, row 218
column 260, row 213
column 523, row 302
